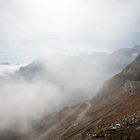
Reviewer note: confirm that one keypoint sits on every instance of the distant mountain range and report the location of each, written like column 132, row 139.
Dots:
column 121, row 58
column 80, row 74
column 5, row 63
column 78, row 77
column 113, row 62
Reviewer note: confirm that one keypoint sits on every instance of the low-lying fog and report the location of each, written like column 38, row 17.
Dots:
column 47, row 85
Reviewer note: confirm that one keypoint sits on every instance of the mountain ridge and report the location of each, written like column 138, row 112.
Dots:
column 110, row 99
column 118, row 94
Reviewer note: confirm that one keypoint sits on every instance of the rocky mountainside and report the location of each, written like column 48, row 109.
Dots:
column 109, row 115
column 129, row 73
column 114, row 113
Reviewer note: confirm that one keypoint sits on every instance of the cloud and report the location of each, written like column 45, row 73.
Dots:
column 74, row 25
column 25, row 102
column 8, row 69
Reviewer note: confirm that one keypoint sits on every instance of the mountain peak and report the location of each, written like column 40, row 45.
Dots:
column 132, row 70
column 137, row 46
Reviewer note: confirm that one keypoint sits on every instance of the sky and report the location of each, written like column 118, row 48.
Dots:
column 30, row 29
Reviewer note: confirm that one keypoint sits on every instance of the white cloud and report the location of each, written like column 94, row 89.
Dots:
column 73, row 25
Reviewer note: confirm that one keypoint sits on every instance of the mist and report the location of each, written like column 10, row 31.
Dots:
column 45, row 86
column 51, row 83
column 66, row 48
column 8, row 69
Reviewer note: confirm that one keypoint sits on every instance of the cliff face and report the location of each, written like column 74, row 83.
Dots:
column 132, row 71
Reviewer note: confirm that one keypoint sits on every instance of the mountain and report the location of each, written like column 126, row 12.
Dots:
column 117, row 102
column 78, row 73
column 121, row 58
column 37, row 70
column 114, row 113
column 5, row 63
column 113, row 62
column 129, row 73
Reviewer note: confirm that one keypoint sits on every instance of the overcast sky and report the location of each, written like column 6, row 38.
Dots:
column 32, row 28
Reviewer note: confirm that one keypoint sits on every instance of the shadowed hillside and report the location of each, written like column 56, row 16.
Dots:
column 116, row 102
column 113, row 113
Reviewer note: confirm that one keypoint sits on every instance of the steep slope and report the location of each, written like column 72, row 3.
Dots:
column 72, row 122
column 126, row 113
column 113, row 102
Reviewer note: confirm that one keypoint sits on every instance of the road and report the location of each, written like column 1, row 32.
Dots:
column 83, row 113
column 129, row 89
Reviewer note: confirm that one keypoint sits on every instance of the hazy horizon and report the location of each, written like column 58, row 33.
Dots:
column 32, row 28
